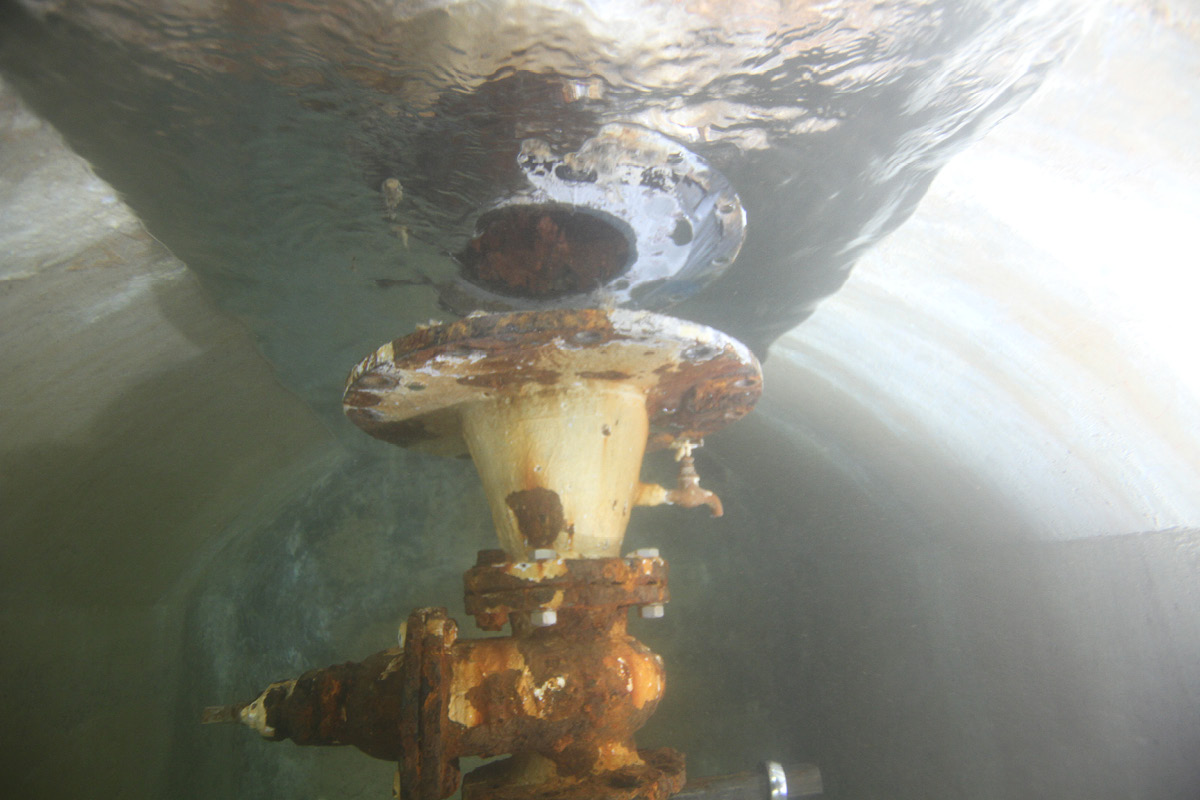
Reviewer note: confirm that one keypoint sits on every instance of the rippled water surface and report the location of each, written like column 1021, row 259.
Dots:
column 255, row 139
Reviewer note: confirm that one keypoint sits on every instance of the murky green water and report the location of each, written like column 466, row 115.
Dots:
column 880, row 599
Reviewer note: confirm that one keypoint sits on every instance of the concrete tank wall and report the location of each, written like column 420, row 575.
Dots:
column 960, row 547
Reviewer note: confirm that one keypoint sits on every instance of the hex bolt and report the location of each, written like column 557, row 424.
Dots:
column 652, row 611
column 544, row 554
column 543, row 617
column 646, row 552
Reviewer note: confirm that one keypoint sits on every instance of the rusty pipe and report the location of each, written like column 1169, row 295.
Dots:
column 574, row 694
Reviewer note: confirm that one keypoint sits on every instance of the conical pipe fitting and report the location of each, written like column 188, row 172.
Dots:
column 557, row 409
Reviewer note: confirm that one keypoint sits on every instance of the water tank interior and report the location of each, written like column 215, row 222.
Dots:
column 961, row 532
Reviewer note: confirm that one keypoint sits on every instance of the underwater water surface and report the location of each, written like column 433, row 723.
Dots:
column 959, row 548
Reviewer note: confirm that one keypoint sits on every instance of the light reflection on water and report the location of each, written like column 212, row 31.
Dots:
column 253, row 139
column 1035, row 322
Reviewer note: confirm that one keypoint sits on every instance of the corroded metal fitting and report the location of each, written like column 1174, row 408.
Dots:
column 428, row 766
column 660, row 775
column 569, row 698
column 557, row 409
column 497, row 588
column 695, row 379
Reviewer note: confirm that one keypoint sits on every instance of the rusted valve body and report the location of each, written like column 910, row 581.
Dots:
column 567, row 697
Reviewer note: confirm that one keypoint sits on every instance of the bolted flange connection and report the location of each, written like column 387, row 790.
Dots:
column 557, row 409
column 500, row 591
column 568, row 698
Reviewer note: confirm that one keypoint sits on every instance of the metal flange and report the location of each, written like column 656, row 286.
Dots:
column 410, row 392
column 660, row 775
column 496, row 588
column 426, row 772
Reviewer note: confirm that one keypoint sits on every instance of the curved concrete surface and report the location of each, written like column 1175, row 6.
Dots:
column 961, row 541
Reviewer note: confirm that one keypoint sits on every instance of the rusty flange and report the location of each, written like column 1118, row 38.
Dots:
column 426, row 772
column 496, row 588
column 661, row 775
column 696, row 379
column 557, row 409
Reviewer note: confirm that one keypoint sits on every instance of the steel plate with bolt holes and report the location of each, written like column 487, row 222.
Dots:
column 410, row 392
column 630, row 219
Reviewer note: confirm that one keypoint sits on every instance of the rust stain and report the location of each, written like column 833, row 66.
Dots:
column 374, row 381
column 697, row 397
column 703, row 387
column 544, row 252
column 361, row 399
column 606, row 375
column 570, row 690
column 539, row 514
column 496, row 590
column 494, row 334
column 498, row 379
column 497, row 699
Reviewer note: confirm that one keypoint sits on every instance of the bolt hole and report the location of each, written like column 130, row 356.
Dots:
column 700, row 352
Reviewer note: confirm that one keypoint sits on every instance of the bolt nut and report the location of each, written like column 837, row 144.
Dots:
column 543, row 617
column 544, row 554
column 652, row 611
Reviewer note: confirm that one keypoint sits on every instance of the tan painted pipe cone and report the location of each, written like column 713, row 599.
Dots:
column 557, row 409
column 560, row 466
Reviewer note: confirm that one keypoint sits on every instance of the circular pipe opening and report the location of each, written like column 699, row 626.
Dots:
column 546, row 251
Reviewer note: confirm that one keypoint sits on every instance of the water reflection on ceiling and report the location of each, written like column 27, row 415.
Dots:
column 1035, row 321
column 254, row 139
